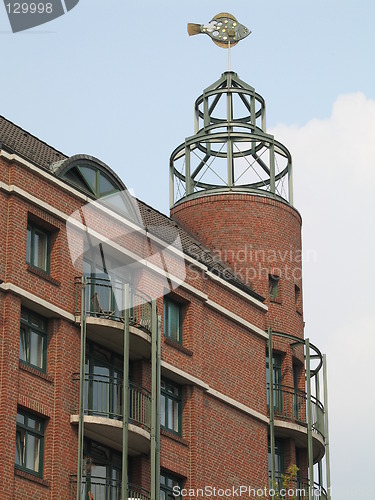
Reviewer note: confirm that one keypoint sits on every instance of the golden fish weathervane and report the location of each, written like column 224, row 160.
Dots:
column 224, row 29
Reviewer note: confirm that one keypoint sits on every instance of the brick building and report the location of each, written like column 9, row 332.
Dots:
column 112, row 312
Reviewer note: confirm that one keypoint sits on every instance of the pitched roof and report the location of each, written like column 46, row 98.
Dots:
column 15, row 139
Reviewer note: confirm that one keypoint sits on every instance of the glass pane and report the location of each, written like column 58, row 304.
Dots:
column 28, row 244
column 20, row 419
column 24, row 344
column 162, row 410
column 36, row 349
column 105, row 185
column 32, row 423
column 37, row 322
column 32, row 453
column 175, row 416
column 19, row 447
column 40, row 249
column 173, row 321
column 170, row 414
column 90, row 176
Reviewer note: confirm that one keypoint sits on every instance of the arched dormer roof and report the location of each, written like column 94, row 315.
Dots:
column 98, row 181
column 89, row 174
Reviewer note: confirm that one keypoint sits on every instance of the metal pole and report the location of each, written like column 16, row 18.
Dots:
column 158, row 394
column 290, row 182
column 125, row 395
column 196, row 119
column 81, row 389
column 309, row 422
column 272, row 168
column 230, row 165
column 272, row 409
column 155, row 460
column 328, row 467
column 317, row 395
column 188, row 183
column 171, row 185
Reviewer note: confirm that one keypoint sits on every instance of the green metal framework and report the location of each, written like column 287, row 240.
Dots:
column 136, row 404
column 305, row 409
column 230, row 150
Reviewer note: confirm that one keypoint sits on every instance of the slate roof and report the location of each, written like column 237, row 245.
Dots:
column 15, row 139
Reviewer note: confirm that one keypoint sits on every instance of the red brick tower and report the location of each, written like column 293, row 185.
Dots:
column 231, row 187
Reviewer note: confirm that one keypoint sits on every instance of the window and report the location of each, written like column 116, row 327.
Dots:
column 279, row 461
column 91, row 179
column 102, row 472
column 169, row 487
column 173, row 320
column 297, row 292
column 277, row 381
column 29, row 443
column 104, row 382
column 38, row 248
column 298, row 298
column 33, row 340
column 171, row 407
column 272, row 286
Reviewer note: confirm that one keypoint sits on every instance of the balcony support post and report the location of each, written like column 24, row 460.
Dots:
column 328, row 468
column 125, row 395
column 155, row 403
column 309, row 422
column 81, row 389
column 272, row 409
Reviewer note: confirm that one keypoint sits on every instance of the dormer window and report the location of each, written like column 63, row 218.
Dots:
column 98, row 181
column 92, row 180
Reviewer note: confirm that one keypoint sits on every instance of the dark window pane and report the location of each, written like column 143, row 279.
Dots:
column 90, row 177
column 24, row 344
column 105, row 185
column 173, row 320
column 28, row 244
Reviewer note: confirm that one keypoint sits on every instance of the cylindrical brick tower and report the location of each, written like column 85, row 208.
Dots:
column 231, row 187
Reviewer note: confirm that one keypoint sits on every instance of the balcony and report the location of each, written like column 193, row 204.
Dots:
column 99, row 488
column 290, row 407
column 297, row 489
column 105, row 315
column 103, row 410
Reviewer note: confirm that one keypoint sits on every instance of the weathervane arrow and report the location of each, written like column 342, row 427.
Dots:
column 224, row 30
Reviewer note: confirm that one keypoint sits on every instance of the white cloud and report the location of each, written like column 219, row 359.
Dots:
column 334, row 181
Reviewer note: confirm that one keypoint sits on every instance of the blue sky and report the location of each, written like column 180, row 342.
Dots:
column 118, row 80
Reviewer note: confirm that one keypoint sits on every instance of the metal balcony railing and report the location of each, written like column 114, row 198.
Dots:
column 103, row 397
column 98, row 488
column 105, row 299
column 291, row 404
column 297, row 488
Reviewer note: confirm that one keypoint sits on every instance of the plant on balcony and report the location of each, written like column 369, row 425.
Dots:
column 287, row 482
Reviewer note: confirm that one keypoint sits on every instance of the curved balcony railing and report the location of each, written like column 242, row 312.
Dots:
column 296, row 488
column 291, row 404
column 99, row 488
column 105, row 299
column 103, row 397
